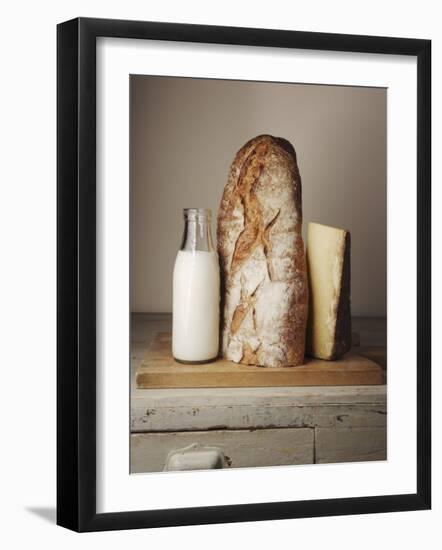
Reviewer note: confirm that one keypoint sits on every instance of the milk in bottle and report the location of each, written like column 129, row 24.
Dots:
column 195, row 333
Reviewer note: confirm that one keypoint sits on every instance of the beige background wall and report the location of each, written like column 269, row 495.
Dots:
column 185, row 133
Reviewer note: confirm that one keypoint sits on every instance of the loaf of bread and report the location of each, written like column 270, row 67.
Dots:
column 264, row 289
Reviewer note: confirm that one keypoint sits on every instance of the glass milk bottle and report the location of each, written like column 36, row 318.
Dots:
column 195, row 332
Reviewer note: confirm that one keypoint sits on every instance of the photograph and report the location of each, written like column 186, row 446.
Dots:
column 243, row 274
column 258, row 273
column 219, row 251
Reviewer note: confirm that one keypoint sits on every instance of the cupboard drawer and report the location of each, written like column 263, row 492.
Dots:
column 239, row 448
column 350, row 444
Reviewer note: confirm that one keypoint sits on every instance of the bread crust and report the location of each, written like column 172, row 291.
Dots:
column 264, row 289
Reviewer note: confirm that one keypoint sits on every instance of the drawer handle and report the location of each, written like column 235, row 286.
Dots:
column 195, row 457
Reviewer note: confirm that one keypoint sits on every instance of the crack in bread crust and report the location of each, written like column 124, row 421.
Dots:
column 267, row 245
column 247, row 302
column 251, row 235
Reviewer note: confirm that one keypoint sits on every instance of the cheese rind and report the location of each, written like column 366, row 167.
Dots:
column 328, row 265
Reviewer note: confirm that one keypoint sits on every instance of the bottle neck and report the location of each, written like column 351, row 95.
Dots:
column 197, row 233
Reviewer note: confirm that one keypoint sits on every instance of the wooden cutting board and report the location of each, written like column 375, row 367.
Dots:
column 159, row 370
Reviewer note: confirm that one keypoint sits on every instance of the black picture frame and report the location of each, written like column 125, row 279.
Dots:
column 76, row 273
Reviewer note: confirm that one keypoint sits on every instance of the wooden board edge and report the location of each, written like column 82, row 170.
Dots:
column 171, row 381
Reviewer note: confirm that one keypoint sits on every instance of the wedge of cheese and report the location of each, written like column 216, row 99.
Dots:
column 328, row 266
